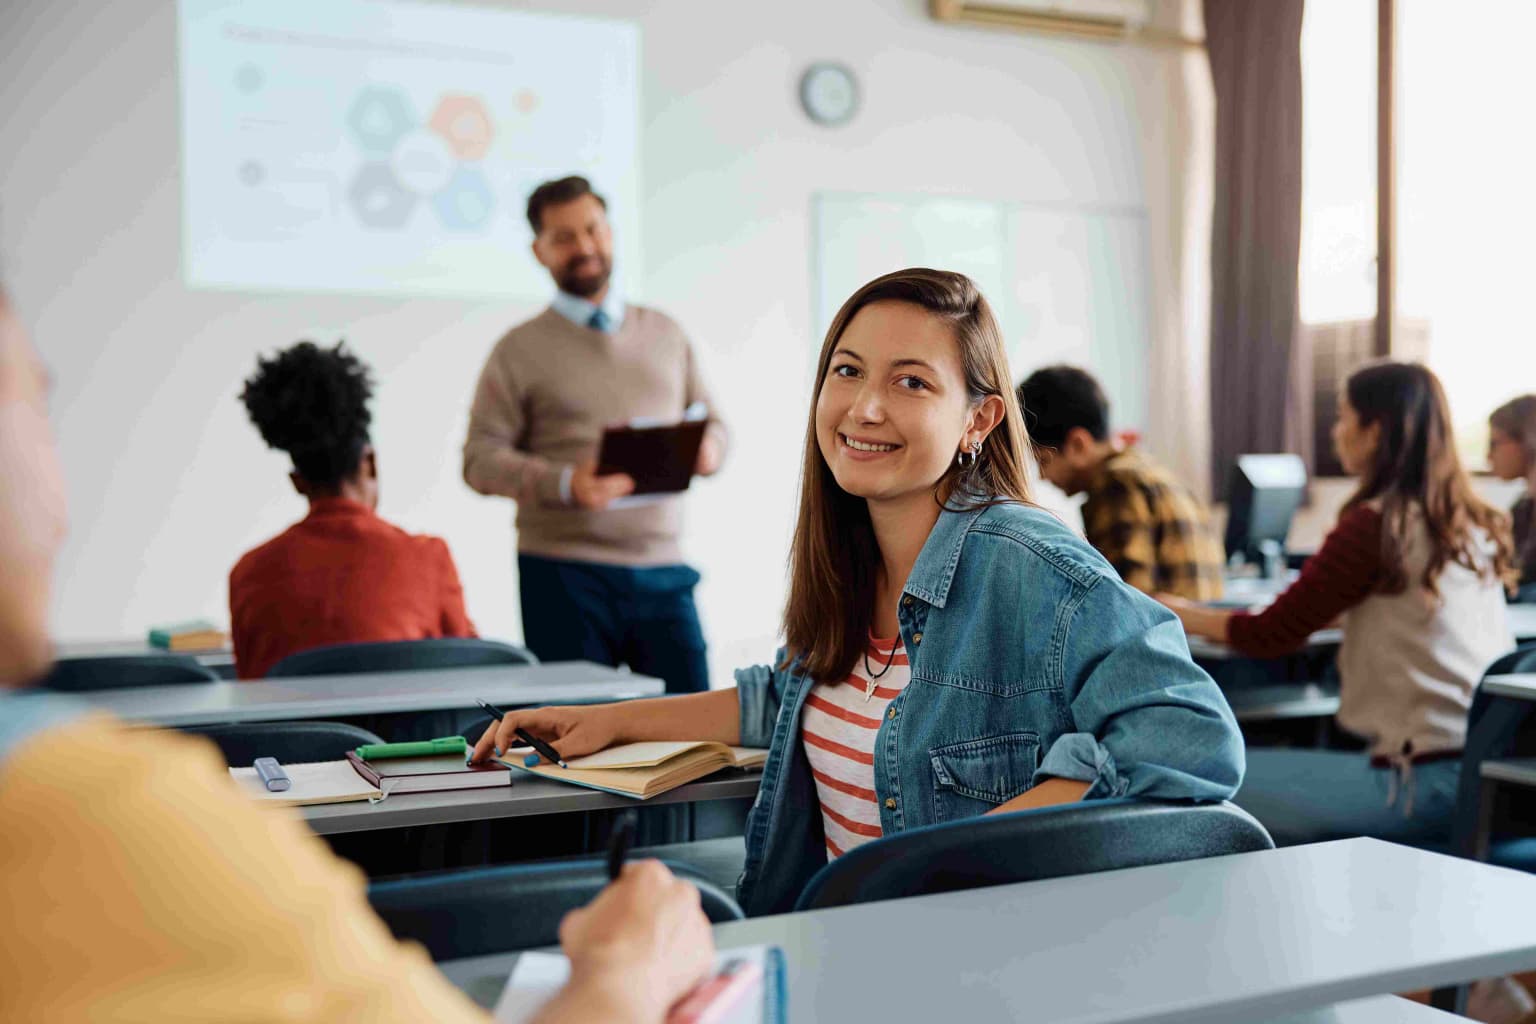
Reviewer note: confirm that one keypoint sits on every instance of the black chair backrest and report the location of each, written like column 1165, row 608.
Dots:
column 289, row 742
column 508, row 908
column 1495, row 728
column 76, row 675
column 1051, row 842
column 401, row 656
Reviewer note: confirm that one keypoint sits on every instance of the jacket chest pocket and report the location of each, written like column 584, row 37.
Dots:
column 973, row 777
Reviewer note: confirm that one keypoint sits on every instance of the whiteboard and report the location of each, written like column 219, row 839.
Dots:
column 360, row 146
column 1068, row 284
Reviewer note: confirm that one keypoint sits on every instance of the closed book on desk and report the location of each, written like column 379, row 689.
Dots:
column 428, row 774
column 643, row 770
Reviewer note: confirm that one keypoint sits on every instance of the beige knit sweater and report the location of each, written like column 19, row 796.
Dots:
column 545, row 395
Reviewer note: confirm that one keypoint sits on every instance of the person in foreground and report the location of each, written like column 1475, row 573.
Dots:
column 341, row 575
column 1415, row 565
column 144, row 887
column 951, row 649
column 1512, row 456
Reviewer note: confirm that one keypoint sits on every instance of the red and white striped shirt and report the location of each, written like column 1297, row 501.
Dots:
column 838, row 728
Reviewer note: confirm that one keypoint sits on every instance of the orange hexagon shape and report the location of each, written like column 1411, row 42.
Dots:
column 463, row 122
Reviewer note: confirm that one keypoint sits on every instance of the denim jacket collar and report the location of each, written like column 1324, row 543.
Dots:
column 934, row 569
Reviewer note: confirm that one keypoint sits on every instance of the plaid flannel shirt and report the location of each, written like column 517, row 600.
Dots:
column 1153, row 530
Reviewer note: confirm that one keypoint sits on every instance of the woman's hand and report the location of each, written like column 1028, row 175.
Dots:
column 572, row 731
column 1197, row 619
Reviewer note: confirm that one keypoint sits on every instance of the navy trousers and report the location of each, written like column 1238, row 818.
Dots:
column 615, row 615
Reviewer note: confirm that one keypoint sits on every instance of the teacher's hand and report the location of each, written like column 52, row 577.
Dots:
column 590, row 491
column 711, row 454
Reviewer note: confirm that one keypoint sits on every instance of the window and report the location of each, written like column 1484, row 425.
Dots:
column 1466, row 200
column 1337, row 268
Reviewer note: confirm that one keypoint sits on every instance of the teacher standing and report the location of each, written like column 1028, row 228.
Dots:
column 598, row 583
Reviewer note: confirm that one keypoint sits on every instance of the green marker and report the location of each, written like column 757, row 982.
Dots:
column 424, row 748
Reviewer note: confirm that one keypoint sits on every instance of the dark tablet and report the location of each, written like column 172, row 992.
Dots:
column 661, row 459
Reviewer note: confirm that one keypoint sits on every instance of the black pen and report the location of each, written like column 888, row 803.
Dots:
column 547, row 751
column 619, row 842
column 543, row 748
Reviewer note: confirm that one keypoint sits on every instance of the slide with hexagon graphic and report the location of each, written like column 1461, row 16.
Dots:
column 359, row 146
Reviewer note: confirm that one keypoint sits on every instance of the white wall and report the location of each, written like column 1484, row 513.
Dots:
column 168, row 482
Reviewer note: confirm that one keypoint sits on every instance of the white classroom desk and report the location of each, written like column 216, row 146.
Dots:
column 372, row 693
column 1297, row 934
column 527, row 795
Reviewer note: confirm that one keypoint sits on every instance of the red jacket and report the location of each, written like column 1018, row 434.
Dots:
column 341, row 575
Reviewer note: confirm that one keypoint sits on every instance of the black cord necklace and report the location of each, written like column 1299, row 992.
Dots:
column 871, row 676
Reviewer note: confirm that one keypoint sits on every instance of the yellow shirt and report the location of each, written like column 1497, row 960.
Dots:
column 140, row 885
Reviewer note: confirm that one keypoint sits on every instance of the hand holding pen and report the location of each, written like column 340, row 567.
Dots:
column 566, row 732
column 544, row 749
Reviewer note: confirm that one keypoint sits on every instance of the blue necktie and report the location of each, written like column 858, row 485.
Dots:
column 600, row 321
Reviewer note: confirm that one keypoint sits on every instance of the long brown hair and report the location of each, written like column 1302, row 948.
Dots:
column 834, row 560
column 1416, row 471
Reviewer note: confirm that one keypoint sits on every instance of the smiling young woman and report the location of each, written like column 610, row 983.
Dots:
column 950, row 649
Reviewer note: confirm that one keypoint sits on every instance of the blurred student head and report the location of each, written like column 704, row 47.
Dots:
column 1512, row 439
column 32, row 509
column 912, row 409
column 1393, row 433
column 312, row 403
column 1068, row 419
column 571, row 236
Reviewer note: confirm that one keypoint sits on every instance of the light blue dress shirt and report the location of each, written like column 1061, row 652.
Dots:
column 579, row 310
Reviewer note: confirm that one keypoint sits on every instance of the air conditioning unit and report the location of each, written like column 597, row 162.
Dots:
column 1106, row 20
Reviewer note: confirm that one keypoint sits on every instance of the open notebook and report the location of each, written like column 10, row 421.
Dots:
column 321, row 782
column 643, row 770
column 537, row 976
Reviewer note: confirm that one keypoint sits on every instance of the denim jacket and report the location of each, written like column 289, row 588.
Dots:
column 1030, row 659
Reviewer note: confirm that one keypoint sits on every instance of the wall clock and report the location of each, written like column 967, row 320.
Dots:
column 829, row 93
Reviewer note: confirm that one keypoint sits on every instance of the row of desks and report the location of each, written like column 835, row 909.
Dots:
column 1304, row 934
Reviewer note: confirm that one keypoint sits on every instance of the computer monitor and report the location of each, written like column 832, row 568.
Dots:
column 1263, row 494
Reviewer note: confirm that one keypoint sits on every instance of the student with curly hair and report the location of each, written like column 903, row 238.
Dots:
column 341, row 574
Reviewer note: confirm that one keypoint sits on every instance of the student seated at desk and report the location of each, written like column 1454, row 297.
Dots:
column 1149, row 526
column 952, row 649
column 1415, row 566
column 1512, row 456
column 140, row 885
column 341, row 575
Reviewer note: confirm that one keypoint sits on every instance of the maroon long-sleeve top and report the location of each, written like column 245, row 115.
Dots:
column 1341, row 575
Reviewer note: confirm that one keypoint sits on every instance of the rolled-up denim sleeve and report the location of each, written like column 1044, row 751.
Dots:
column 760, row 693
column 1147, row 720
